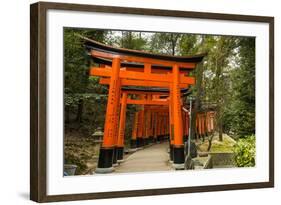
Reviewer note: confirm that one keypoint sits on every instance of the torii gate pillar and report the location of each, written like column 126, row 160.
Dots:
column 133, row 143
column 108, row 146
column 172, row 127
column 177, row 111
column 120, row 139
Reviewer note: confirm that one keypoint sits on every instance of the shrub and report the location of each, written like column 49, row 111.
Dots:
column 245, row 151
column 79, row 151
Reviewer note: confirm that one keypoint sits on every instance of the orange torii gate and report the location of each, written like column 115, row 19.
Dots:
column 143, row 121
column 204, row 123
column 150, row 122
column 120, row 67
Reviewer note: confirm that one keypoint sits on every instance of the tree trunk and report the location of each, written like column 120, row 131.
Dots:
column 220, row 129
column 67, row 114
column 122, row 39
column 210, row 140
column 197, row 105
column 130, row 40
column 219, row 96
column 173, row 45
column 79, row 111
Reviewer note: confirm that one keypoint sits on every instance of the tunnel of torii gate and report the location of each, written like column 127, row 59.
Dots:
column 155, row 84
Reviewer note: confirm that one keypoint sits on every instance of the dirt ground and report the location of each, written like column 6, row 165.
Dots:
column 81, row 151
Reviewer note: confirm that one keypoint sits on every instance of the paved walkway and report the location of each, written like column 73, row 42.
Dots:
column 153, row 158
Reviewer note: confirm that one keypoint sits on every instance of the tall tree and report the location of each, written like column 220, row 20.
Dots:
column 190, row 44
column 76, row 65
column 132, row 40
column 165, row 43
column 240, row 116
column 219, row 60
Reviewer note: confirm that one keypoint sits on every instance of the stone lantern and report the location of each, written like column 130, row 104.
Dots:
column 98, row 135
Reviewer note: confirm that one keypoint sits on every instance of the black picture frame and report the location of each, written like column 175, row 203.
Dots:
column 38, row 102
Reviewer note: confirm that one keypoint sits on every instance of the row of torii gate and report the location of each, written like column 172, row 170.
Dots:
column 156, row 84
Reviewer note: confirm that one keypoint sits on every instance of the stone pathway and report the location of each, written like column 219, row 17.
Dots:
column 153, row 158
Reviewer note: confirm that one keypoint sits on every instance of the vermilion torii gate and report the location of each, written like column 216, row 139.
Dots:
column 160, row 81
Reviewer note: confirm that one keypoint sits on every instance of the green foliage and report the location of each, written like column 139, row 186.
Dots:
column 81, row 93
column 79, row 151
column 71, row 158
column 242, row 107
column 245, row 151
column 132, row 40
column 165, row 43
column 189, row 44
